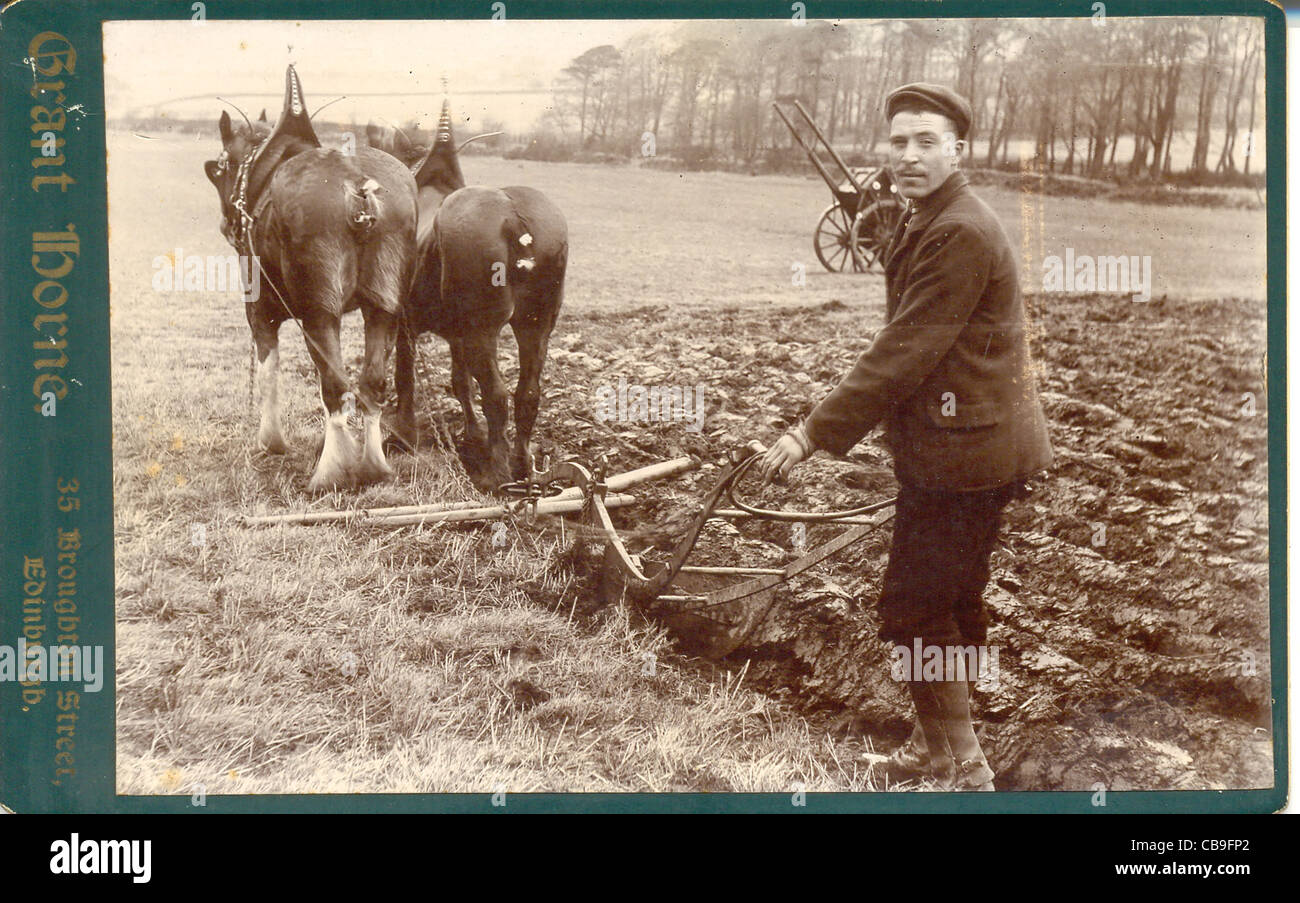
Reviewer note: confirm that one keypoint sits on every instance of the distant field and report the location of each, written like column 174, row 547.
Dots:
column 355, row 659
column 1180, row 156
column 655, row 231
column 640, row 236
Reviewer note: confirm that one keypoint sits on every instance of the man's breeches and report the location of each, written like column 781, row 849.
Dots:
column 939, row 565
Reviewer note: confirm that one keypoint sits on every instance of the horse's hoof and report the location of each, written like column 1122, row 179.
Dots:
column 373, row 472
column 492, row 486
column 328, row 482
column 333, row 472
column 273, row 446
column 498, row 477
column 519, row 465
column 490, row 479
column 336, row 464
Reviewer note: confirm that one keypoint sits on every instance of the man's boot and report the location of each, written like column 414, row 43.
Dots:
column 912, row 759
column 943, row 712
column 907, row 763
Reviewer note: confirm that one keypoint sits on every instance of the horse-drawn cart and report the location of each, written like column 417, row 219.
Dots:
column 854, row 231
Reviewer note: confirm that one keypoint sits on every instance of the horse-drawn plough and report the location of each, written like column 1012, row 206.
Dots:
column 439, row 236
column 709, row 620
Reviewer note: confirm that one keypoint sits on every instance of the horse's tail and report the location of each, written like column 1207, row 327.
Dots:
column 519, row 239
column 363, row 205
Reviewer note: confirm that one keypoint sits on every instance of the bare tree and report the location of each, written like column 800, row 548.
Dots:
column 588, row 70
column 1246, row 59
column 1072, row 88
column 1211, row 75
column 975, row 40
column 1254, row 95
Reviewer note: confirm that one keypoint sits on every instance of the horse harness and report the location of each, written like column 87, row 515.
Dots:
column 243, row 241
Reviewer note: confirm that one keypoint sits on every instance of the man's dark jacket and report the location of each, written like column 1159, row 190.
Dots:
column 950, row 372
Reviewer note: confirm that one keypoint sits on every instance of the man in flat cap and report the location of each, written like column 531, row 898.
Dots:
column 950, row 378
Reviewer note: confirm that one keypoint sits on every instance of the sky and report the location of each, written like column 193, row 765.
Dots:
column 147, row 63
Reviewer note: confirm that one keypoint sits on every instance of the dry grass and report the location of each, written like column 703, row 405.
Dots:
column 298, row 659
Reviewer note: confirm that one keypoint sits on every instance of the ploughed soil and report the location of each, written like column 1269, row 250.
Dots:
column 1129, row 596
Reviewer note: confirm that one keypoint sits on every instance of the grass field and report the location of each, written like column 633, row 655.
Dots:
column 300, row 659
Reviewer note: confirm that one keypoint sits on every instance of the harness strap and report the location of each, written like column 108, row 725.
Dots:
column 239, row 200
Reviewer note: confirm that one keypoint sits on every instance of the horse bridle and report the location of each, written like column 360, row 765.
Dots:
column 238, row 199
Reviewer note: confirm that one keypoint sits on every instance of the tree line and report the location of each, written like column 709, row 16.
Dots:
column 1075, row 90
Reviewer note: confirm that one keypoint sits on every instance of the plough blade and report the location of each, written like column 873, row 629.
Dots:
column 717, row 622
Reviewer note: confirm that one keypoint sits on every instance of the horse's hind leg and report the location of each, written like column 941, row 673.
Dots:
column 532, row 340
column 339, row 452
column 381, row 330
column 405, row 433
column 266, row 338
column 481, row 356
column 462, row 384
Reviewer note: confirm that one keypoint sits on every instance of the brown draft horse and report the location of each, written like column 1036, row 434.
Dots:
column 331, row 233
column 487, row 257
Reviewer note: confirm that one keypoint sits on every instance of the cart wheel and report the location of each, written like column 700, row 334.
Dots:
column 871, row 231
column 831, row 240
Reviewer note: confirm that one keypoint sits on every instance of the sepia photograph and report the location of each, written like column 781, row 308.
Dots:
column 719, row 405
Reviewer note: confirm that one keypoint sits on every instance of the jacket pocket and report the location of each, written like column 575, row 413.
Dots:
column 958, row 415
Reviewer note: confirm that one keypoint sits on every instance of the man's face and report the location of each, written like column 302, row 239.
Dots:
column 923, row 151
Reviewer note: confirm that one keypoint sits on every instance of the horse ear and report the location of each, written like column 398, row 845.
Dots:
column 262, row 118
column 374, row 135
column 294, row 120
column 227, row 133
column 401, row 145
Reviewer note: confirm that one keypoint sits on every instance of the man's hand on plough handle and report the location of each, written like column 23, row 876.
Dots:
column 788, row 451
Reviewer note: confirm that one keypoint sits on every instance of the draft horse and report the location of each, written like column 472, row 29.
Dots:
column 487, row 257
column 331, row 232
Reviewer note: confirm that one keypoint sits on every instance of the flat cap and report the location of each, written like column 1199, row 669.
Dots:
column 936, row 97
